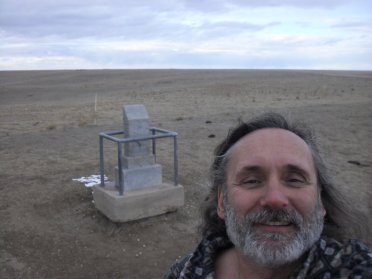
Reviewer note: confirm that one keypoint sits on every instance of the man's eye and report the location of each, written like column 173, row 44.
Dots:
column 296, row 181
column 249, row 183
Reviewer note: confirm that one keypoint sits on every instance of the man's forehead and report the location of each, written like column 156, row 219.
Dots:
column 271, row 136
column 271, row 139
column 271, row 146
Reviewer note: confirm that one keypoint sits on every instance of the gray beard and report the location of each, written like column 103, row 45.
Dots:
column 277, row 248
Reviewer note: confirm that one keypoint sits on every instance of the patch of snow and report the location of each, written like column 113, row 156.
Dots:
column 90, row 181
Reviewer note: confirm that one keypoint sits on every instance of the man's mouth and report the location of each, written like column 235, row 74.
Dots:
column 275, row 226
column 276, row 223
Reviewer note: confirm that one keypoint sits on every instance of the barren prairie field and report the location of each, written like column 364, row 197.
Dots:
column 49, row 135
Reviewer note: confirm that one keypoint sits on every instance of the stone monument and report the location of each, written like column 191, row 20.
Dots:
column 139, row 168
column 138, row 190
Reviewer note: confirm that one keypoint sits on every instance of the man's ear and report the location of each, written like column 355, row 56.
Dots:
column 220, row 205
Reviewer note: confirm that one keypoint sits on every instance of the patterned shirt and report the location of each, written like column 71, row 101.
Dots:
column 326, row 259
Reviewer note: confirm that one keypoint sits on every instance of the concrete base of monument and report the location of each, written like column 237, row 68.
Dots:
column 137, row 204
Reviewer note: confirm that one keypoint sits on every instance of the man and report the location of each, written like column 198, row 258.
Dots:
column 272, row 211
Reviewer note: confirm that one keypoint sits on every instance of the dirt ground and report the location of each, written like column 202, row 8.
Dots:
column 49, row 135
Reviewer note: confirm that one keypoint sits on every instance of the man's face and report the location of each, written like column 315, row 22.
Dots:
column 271, row 207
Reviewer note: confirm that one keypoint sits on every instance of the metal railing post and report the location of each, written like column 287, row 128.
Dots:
column 154, row 145
column 120, row 171
column 101, row 161
column 175, row 160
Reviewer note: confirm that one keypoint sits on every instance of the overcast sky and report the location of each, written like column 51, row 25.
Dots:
column 252, row 34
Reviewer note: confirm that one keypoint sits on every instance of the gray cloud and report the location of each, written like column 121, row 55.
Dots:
column 352, row 24
column 112, row 18
column 129, row 21
column 202, row 32
column 218, row 5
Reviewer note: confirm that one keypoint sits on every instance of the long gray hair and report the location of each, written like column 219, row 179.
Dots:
column 338, row 210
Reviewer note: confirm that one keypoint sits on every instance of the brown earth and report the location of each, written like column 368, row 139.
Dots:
column 49, row 135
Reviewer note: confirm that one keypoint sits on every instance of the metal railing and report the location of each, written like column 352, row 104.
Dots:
column 156, row 133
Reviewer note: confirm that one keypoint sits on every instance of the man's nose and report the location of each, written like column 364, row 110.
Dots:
column 274, row 196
